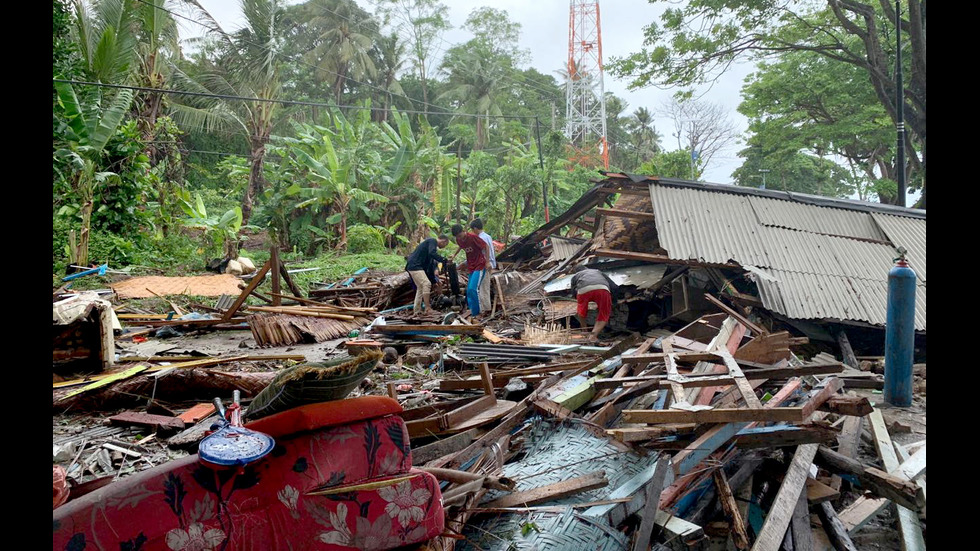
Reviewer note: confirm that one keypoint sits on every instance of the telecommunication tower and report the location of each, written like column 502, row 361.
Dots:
column 585, row 118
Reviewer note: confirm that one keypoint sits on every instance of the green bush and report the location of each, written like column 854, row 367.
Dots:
column 362, row 238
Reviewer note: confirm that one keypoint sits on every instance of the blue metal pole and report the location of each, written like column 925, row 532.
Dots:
column 900, row 334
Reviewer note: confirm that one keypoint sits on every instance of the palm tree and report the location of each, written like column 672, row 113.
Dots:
column 389, row 54
column 475, row 80
column 343, row 49
column 106, row 34
column 248, row 66
column 645, row 134
column 158, row 40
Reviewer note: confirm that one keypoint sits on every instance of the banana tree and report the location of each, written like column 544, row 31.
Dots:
column 337, row 173
column 88, row 129
column 223, row 229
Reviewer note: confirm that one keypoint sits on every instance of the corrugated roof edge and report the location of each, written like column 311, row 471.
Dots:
column 804, row 198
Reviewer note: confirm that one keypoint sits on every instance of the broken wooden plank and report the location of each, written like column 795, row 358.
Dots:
column 724, row 415
column 252, row 285
column 554, row 491
column 836, row 532
column 800, row 524
column 818, row 492
column 827, row 389
column 879, row 482
column 748, row 393
column 431, row 328
column 622, row 213
column 727, row 499
column 848, row 441
column 784, row 505
column 154, row 422
column 196, row 413
column 103, row 381
column 856, row 406
column 731, row 312
column 908, row 521
column 652, row 497
column 423, row 454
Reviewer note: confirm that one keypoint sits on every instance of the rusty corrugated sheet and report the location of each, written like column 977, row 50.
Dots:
column 820, row 272
column 908, row 233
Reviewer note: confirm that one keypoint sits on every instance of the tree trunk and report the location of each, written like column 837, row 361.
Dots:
column 459, row 177
column 256, row 180
column 343, row 225
column 479, row 133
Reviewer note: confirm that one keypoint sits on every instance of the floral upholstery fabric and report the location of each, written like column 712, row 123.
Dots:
column 341, row 487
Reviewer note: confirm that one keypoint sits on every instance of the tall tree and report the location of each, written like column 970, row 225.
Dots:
column 343, row 50
column 248, row 65
column 389, row 57
column 701, row 127
column 805, row 103
column 476, row 84
column 693, row 43
column 421, row 23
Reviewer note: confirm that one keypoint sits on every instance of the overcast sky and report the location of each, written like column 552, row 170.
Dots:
column 544, row 31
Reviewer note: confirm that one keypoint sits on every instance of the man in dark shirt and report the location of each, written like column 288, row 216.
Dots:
column 422, row 267
column 592, row 285
column 476, row 263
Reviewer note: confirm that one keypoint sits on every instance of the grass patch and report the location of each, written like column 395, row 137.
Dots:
column 335, row 267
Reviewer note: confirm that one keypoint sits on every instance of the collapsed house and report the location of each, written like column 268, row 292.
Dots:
column 815, row 264
column 725, row 405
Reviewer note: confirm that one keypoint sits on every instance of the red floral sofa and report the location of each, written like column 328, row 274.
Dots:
column 339, row 477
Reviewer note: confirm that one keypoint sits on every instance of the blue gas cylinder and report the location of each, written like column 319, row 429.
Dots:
column 900, row 334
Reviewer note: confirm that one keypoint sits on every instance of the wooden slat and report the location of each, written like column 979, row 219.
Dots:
column 836, row 531
column 800, row 524
column 552, row 492
column 784, row 505
column 652, row 497
column 252, row 285
column 622, row 213
column 748, row 394
column 728, row 310
column 725, row 415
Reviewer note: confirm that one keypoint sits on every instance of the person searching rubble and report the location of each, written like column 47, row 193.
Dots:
column 591, row 285
column 421, row 266
column 477, row 226
column 476, row 262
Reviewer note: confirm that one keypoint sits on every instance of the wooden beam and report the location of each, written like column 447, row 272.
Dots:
column 431, row 328
column 847, row 443
column 276, row 268
column 908, row 521
column 879, row 482
column 439, row 448
column 622, row 213
column 851, row 406
column 252, row 285
column 835, row 529
column 652, row 498
column 739, row 536
column 552, row 492
column 725, row 415
column 800, row 524
column 846, row 351
column 824, row 392
column 784, row 505
column 742, row 319
column 660, row 259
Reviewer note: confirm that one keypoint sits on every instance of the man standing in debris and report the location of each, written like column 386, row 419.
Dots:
column 590, row 285
column 422, row 267
column 484, row 290
column 476, row 263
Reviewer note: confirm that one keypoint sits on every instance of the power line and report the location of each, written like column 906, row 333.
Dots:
column 314, row 67
column 270, row 100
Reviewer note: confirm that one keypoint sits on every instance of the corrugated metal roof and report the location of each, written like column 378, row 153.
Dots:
column 819, row 255
column 563, row 248
column 823, row 220
column 908, row 233
column 819, row 296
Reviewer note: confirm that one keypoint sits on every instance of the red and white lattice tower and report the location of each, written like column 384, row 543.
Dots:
column 585, row 117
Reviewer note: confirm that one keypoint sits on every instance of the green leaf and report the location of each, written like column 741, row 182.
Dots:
column 334, row 219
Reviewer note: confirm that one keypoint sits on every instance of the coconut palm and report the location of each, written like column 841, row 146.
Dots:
column 389, row 54
column 248, row 65
column 343, row 50
column 475, row 82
